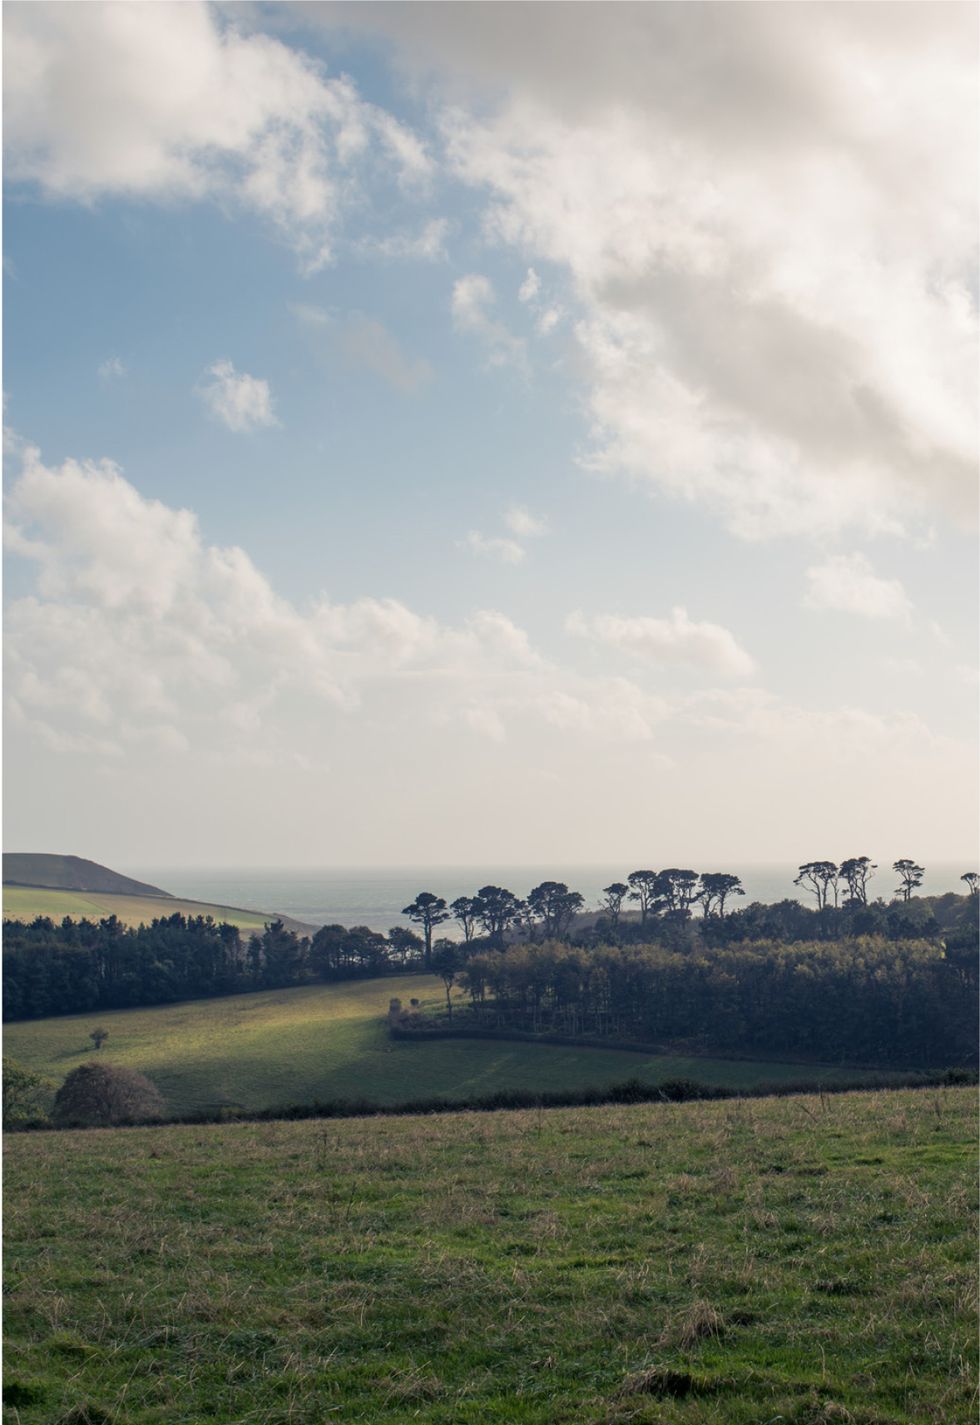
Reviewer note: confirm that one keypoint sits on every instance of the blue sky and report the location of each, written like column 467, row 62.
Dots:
column 541, row 441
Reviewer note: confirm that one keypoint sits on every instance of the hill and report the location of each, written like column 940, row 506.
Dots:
column 28, row 902
column 262, row 1050
column 70, row 873
column 803, row 1260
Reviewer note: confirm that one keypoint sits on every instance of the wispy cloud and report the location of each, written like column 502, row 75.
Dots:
column 241, row 402
column 111, row 369
column 508, row 551
column 677, row 639
column 847, row 583
column 473, row 305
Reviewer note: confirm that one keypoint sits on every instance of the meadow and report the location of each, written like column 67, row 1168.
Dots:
column 330, row 1041
column 28, row 902
column 807, row 1261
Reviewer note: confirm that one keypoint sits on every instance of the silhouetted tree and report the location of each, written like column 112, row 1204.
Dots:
column 818, row 877
column 715, row 889
column 642, row 885
column 972, row 880
column 677, row 889
column 428, row 911
column 406, row 946
column 613, row 897
column 497, row 910
column 910, row 875
column 556, row 906
column 98, row 1037
column 856, row 872
column 466, row 910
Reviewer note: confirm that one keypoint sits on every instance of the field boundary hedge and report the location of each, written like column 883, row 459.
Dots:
column 630, row 1091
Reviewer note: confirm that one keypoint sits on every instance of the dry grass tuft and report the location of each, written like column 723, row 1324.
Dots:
column 700, row 1322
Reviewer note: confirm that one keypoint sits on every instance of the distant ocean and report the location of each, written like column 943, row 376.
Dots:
column 374, row 896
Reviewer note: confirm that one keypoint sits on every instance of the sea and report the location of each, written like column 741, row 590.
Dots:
column 376, row 895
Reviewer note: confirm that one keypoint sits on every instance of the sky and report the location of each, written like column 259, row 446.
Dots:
column 490, row 432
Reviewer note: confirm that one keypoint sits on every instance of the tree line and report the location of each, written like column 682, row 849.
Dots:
column 865, row 1000
column 79, row 966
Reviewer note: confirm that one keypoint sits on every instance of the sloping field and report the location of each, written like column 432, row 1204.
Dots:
column 329, row 1041
column 27, row 902
column 70, row 873
column 801, row 1261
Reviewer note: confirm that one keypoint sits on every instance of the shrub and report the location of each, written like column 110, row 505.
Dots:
column 102, row 1094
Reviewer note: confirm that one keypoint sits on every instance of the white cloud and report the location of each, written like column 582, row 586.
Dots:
column 530, row 287
column 486, row 722
column 167, row 101
column 111, row 369
column 473, row 304
column 677, row 639
column 521, row 522
column 241, row 402
column 848, row 584
column 770, row 238
column 508, row 551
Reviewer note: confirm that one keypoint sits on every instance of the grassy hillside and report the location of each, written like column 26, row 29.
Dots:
column 70, row 873
column 27, row 902
column 802, row 1261
column 329, row 1041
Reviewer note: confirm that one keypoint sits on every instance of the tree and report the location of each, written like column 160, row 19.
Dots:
column 466, row 910
column 716, row 887
column 103, row 1094
column 497, row 910
column 24, row 1093
column 642, row 885
column 614, row 896
column 818, row 877
column 405, row 944
column 972, row 880
column 428, row 911
column 856, row 872
column 677, row 889
column 98, row 1037
column 447, row 962
column 910, row 875
column 556, row 906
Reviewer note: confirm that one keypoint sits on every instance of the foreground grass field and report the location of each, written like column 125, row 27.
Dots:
column 28, row 902
column 801, row 1261
column 330, row 1041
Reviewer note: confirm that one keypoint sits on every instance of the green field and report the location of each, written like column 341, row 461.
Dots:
column 330, row 1041
column 794, row 1261
column 27, row 902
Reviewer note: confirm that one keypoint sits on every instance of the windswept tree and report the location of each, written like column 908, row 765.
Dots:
column 642, row 890
column 466, row 909
column 428, row 911
column 819, row 877
column 972, row 880
column 910, row 876
column 555, row 905
column 99, row 1036
column 498, row 909
column 677, row 889
column 612, row 899
column 856, row 872
column 715, row 888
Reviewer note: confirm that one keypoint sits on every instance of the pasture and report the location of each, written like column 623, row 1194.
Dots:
column 28, row 902
column 805, row 1261
column 329, row 1041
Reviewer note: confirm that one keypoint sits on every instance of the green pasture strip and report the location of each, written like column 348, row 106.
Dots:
column 805, row 1261
column 330, row 1041
column 28, row 902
